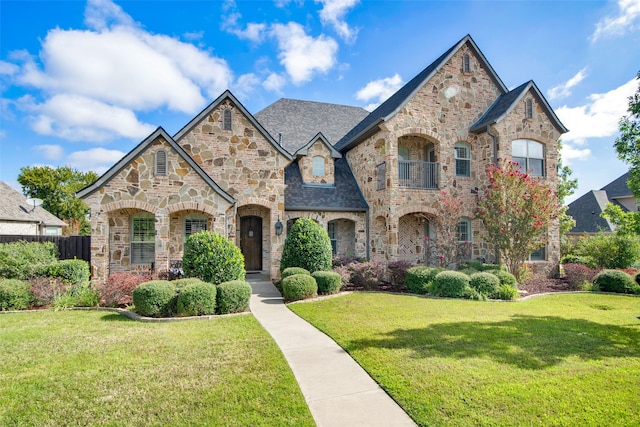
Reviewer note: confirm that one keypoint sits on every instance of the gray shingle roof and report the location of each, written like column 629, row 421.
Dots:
column 618, row 187
column 299, row 121
column 345, row 195
column 14, row 207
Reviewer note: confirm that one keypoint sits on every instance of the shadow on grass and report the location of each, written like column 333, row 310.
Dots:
column 115, row 317
column 528, row 342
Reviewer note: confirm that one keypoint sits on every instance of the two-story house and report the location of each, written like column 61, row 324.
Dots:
column 369, row 178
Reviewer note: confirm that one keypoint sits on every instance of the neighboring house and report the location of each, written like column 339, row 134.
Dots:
column 586, row 210
column 370, row 179
column 17, row 217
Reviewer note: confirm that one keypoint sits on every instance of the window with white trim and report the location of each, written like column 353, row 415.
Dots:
column 331, row 231
column 160, row 163
column 462, row 155
column 143, row 238
column 194, row 224
column 529, row 155
column 528, row 108
column 226, row 119
column 318, row 165
column 464, row 230
column 466, row 63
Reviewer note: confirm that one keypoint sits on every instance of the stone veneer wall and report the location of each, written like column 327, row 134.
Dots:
column 306, row 165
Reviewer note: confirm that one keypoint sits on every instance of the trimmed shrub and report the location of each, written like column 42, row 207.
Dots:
column 14, row 295
column 307, row 246
column 181, row 283
column 233, row 296
column 578, row 274
column 212, row 258
column 367, row 274
column 290, row 271
column 328, row 282
column 46, row 289
column 72, row 271
column 449, row 283
column 505, row 292
column 196, row 299
column 398, row 271
column 505, row 278
column 117, row 291
column 156, row 298
column 485, row 283
column 469, row 271
column 299, row 286
column 614, row 281
column 419, row 278
column 21, row 260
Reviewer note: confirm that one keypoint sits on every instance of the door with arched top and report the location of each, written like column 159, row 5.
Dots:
column 251, row 242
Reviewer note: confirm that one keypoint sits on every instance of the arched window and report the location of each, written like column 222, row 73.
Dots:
column 462, row 155
column 161, row 163
column 466, row 63
column 529, row 155
column 226, row 119
column 194, row 224
column 403, row 162
column 143, row 238
column 318, row 166
column 528, row 108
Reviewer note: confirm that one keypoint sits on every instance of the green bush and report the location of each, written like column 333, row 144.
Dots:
column 490, row 267
column 290, row 271
column 485, row 283
column 308, row 246
column 181, row 283
column 329, row 282
column 21, row 260
column 505, row 278
column 473, row 264
column 299, row 286
column 78, row 296
column 14, row 295
column 419, row 278
column 506, row 292
column 212, row 258
column 196, row 299
column 473, row 294
column 72, row 271
column 469, row 271
column 156, row 298
column 609, row 250
column 614, row 281
column 449, row 283
column 233, row 296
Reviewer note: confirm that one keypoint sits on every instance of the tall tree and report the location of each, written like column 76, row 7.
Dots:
column 57, row 188
column 566, row 187
column 516, row 211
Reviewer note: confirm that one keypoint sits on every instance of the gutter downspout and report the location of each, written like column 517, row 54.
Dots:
column 366, row 227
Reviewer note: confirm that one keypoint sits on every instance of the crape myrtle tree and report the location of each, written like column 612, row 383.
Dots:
column 445, row 249
column 627, row 146
column 516, row 210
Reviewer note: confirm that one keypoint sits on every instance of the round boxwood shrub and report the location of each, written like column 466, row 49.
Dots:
column 233, row 296
column 329, row 282
column 299, row 286
column 505, row 278
column 14, row 295
column 156, row 298
column 290, row 271
column 212, row 258
column 485, row 283
column 196, row 299
column 307, row 246
column 450, row 284
column 614, row 281
column 419, row 278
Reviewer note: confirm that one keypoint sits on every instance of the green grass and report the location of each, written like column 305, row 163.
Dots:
column 561, row 360
column 99, row 368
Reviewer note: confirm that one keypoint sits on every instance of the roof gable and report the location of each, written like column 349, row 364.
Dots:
column 586, row 212
column 228, row 95
column 393, row 104
column 14, row 207
column 618, row 187
column 138, row 150
column 506, row 102
column 319, row 137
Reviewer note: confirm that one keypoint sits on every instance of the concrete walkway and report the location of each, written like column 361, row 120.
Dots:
column 338, row 391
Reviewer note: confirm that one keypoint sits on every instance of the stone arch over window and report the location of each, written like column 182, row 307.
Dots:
column 318, row 166
column 462, row 155
column 466, row 63
column 529, row 154
column 160, row 163
column 528, row 108
column 226, row 119
column 143, row 238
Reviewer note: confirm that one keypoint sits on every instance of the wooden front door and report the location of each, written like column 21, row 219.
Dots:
column 251, row 242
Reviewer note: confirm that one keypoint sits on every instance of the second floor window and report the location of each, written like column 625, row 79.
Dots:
column 529, row 155
column 462, row 154
column 318, row 166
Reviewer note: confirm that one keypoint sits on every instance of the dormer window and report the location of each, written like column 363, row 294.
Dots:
column 466, row 63
column 318, row 166
column 161, row 163
column 528, row 108
column 226, row 119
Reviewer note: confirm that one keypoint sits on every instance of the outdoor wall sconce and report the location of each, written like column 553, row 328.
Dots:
column 279, row 227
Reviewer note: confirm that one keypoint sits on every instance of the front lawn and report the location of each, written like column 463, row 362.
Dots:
column 570, row 359
column 99, row 368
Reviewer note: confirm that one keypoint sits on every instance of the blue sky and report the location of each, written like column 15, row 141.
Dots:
column 82, row 83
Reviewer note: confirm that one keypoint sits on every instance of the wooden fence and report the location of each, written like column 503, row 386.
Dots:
column 69, row 247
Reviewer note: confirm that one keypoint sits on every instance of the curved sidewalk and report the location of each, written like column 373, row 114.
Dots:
column 338, row 391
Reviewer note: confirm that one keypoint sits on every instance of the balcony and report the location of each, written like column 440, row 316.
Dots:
column 417, row 174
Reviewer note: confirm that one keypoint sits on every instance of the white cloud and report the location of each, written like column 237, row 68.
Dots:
column 333, row 12
column 253, row 31
column 626, row 20
column 50, row 151
column 245, row 85
column 274, row 83
column 303, row 55
column 564, row 89
column 379, row 90
column 101, row 14
column 95, row 159
column 599, row 117
column 8, row 69
column 569, row 152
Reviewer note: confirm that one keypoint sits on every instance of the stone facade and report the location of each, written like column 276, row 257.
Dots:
column 318, row 149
